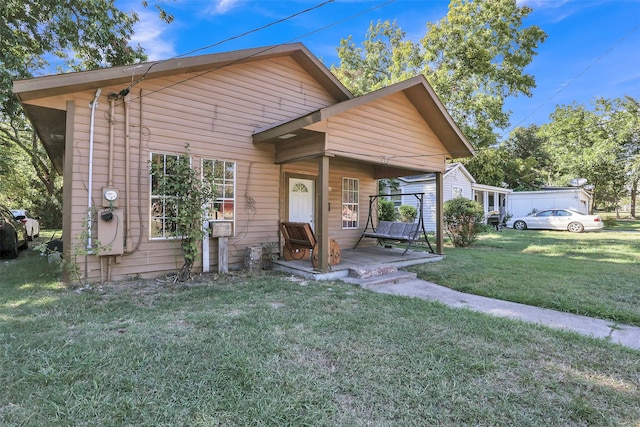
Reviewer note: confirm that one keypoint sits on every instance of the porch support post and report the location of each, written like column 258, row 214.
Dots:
column 439, row 213
column 485, row 201
column 322, row 229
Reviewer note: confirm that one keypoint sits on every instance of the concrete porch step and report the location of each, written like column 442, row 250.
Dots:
column 382, row 279
column 371, row 271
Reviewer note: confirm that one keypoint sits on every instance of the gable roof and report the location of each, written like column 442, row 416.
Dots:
column 60, row 84
column 451, row 167
column 419, row 93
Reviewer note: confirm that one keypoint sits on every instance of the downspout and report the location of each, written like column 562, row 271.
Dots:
column 93, row 106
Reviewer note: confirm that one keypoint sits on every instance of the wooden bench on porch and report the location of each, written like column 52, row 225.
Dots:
column 300, row 243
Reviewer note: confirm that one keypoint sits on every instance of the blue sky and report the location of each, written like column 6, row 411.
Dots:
column 592, row 49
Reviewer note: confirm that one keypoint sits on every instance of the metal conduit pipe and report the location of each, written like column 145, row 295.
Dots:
column 93, row 106
column 127, row 173
column 112, row 110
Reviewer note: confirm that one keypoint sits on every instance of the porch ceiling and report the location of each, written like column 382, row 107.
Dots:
column 51, row 126
column 311, row 145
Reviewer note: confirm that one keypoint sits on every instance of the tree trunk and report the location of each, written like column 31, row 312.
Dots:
column 634, row 194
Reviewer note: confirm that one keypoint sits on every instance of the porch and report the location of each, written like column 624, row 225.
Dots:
column 361, row 262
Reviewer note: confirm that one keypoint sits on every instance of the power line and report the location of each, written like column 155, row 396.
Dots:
column 246, row 33
column 126, row 91
column 262, row 50
column 598, row 59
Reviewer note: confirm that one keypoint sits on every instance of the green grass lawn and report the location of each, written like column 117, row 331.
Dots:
column 595, row 274
column 265, row 350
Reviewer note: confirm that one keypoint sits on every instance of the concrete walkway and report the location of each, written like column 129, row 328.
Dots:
column 625, row 335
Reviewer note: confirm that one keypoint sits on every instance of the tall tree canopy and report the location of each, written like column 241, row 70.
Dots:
column 519, row 163
column 600, row 144
column 35, row 37
column 474, row 58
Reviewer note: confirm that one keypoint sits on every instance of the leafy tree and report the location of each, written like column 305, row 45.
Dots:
column 626, row 121
column 527, row 160
column 474, row 58
column 384, row 58
column 76, row 35
column 598, row 144
column 488, row 166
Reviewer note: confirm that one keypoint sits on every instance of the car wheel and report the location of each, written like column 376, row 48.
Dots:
column 13, row 248
column 520, row 225
column 30, row 236
column 575, row 227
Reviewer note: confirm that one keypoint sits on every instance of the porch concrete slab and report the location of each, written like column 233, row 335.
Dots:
column 625, row 335
column 365, row 257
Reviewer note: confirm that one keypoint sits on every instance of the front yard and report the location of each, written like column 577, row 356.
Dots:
column 271, row 350
column 594, row 274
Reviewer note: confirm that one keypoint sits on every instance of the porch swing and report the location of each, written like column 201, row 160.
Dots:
column 396, row 231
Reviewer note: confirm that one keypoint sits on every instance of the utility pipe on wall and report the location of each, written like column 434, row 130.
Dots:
column 93, row 106
column 112, row 118
column 127, row 174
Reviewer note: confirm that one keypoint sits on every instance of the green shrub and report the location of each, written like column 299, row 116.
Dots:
column 610, row 222
column 386, row 210
column 408, row 213
column 463, row 220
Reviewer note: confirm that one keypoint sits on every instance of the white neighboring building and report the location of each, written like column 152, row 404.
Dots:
column 521, row 203
column 456, row 182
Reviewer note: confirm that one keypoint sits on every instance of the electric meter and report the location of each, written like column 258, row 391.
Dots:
column 110, row 197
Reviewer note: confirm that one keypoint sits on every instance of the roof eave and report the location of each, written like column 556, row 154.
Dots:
column 41, row 87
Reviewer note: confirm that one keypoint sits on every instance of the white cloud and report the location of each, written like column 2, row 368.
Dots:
column 220, row 7
column 153, row 35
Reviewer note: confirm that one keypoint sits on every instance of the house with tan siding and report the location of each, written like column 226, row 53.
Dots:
column 287, row 142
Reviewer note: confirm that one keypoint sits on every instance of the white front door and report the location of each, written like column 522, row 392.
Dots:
column 302, row 200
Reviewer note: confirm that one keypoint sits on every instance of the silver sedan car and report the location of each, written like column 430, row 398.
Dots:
column 557, row 219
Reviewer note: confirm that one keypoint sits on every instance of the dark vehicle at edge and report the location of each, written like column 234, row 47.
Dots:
column 13, row 234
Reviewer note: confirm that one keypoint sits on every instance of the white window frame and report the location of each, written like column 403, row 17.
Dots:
column 161, row 198
column 350, row 189
column 226, row 194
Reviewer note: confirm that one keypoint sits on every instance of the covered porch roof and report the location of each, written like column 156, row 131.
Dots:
column 402, row 129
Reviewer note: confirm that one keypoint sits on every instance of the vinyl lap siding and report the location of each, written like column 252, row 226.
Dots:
column 401, row 137
column 215, row 113
column 429, row 201
column 339, row 168
column 450, row 181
